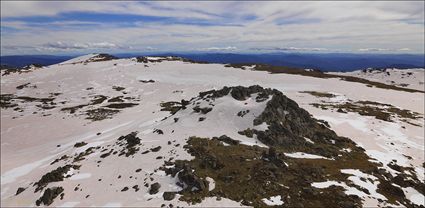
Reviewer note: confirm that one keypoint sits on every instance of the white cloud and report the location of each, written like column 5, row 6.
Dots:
column 373, row 49
column 65, row 46
column 103, row 45
column 52, row 8
column 53, row 46
column 228, row 48
column 382, row 49
column 289, row 49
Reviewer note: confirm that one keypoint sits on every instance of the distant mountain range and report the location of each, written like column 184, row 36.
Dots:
column 324, row 62
column 24, row 60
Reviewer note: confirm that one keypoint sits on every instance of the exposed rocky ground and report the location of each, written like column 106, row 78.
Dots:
column 363, row 77
column 409, row 78
column 165, row 131
column 6, row 70
column 251, row 174
column 381, row 111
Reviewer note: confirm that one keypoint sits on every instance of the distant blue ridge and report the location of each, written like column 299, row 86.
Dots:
column 24, row 60
column 324, row 62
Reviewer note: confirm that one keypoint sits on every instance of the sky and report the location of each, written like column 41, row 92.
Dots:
column 78, row 27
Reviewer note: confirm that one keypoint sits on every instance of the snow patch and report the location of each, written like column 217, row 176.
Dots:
column 348, row 190
column 69, row 204
column 211, row 183
column 302, row 155
column 414, row 196
column 338, row 98
column 346, row 150
column 359, row 123
column 11, row 175
column 370, row 186
column 326, row 184
column 417, row 199
column 262, row 127
column 273, row 200
column 308, row 140
column 112, row 204
column 80, row 176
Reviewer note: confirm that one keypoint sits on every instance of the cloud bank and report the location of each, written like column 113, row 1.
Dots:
column 29, row 27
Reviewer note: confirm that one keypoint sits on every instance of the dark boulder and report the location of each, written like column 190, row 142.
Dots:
column 247, row 132
column 192, row 180
column 147, row 81
column 184, row 102
column 158, row 131
column 168, row 196
column 80, row 144
column 20, row 190
column 204, row 110
column 156, row 149
column 154, row 188
column 227, row 140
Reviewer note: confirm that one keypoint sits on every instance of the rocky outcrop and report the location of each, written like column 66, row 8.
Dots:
column 239, row 93
column 227, row 140
column 52, row 176
column 203, row 110
column 142, row 59
column 288, row 124
column 49, row 196
column 173, row 106
column 130, row 142
column 80, row 144
column 20, row 190
column 101, row 57
column 251, row 173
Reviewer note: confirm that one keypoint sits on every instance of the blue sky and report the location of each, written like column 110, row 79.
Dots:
column 48, row 27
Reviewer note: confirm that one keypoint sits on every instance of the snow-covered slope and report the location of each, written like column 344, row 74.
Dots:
column 93, row 57
column 118, row 132
column 410, row 78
